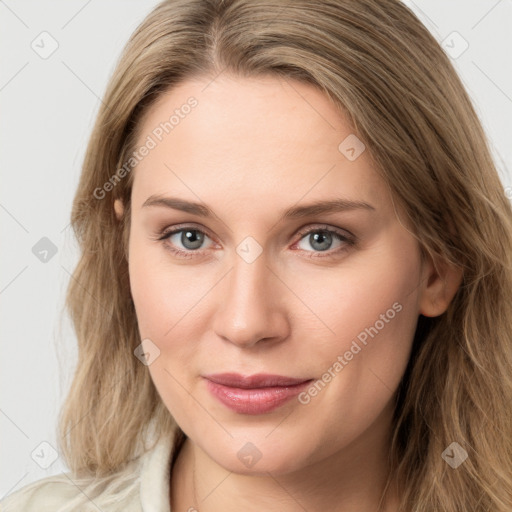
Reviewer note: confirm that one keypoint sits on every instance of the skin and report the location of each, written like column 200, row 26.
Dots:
column 251, row 149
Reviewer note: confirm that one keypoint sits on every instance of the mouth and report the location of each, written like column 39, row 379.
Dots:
column 254, row 394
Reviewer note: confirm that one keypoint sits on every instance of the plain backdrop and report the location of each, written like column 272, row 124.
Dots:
column 56, row 58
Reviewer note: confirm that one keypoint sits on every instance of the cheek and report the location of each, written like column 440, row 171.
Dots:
column 366, row 313
column 164, row 296
column 163, row 292
column 347, row 299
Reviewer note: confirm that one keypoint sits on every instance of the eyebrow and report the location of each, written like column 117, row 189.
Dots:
column 295, row 212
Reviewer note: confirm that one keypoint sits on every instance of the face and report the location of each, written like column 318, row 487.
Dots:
column 270, row 272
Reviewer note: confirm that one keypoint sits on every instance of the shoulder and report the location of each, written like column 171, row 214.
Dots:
column 63, row 493
column 143, row 484
column 43, row 495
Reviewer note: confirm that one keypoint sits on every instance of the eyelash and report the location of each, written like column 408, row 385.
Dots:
column 349, row 240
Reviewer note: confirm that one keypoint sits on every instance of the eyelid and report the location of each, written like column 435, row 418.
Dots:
column 326, row 227
column 166, row 232
column 300, row 232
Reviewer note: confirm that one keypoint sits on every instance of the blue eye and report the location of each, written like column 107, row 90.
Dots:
column 322, row 240
column 187, row 241
column 191, row 239
column 319, row 240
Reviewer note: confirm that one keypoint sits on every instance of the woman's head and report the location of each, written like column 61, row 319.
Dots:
column 260, row 288
column 250, row 109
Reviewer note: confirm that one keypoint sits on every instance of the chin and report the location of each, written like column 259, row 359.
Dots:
column 258, row 458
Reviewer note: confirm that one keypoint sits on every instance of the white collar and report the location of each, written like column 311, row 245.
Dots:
column 155, row 477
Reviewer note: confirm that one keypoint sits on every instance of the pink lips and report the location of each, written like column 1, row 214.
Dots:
column 254, row 394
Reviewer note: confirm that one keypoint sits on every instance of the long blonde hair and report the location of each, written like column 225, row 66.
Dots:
column 389, row 76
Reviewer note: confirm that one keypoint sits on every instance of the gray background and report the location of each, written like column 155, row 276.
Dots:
column 48, row 104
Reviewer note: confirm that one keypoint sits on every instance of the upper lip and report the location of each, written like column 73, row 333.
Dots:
column 260, row 380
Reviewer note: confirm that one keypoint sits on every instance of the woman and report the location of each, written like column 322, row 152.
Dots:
column 294, row 291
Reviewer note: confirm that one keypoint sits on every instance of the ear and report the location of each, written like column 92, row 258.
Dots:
column 441, row 281
column 119, row 208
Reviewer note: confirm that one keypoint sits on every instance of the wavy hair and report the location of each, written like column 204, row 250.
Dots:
column 391, row 79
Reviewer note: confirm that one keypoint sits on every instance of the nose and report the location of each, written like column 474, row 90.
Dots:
column 251, row 307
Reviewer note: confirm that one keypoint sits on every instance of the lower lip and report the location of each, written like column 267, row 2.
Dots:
column 255, row 400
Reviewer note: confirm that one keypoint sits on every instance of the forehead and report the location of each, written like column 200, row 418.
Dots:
column 251, row 137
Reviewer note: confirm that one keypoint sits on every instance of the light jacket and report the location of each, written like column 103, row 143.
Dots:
column 143, row 486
